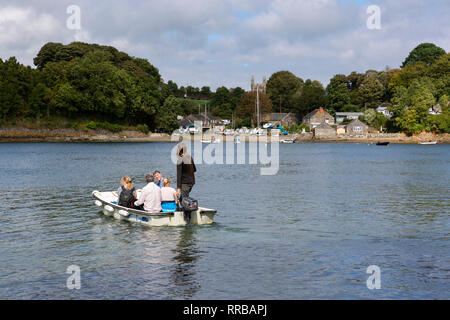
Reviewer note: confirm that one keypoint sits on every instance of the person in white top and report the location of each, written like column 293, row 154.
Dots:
column 150, row 196
column 169, row 197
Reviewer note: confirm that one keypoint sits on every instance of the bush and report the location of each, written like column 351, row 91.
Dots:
column 104, row 125
column 298, row 128
column 91, row 125
column 143, row 128
column 109, row 126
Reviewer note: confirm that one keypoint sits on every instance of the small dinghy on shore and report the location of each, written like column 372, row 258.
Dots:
column 108, row 202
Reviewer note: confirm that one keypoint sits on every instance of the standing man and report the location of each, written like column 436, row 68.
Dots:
column 150, row 196
column 185, row 171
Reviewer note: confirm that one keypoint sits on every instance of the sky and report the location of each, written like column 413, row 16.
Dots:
column 215, row 43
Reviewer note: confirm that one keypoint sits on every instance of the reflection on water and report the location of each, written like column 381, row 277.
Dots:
column 184, row 259
column 310, row 231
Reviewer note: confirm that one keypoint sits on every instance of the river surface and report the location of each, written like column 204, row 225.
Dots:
column 308, row 232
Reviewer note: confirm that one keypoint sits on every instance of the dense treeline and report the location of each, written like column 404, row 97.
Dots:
column 422, row 82
column 100, row 83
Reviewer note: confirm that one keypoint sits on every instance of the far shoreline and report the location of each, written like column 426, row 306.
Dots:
column 25, row 135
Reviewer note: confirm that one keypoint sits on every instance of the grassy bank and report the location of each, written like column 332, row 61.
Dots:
column 83, row 124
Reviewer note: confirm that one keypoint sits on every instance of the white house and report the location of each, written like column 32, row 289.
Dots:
column 341, row 116
column 383, row 108
column 435, row 110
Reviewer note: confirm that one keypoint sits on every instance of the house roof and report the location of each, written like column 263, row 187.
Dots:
column 349, row 113
column 323, row 126
column 198, row 117
column 356, row 122
column 319, row 110
column 277, row 116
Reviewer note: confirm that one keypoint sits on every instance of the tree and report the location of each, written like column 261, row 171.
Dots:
column 371, row 92
column 222, row 103
column 312, row 96
column 369, row 116
column 167, row 114
column 421, row 97
column 424, row 52
column 281, row 86
column 246, row 108
column 173, row 87
column 236, row 95
column 37, row 100
column 47, row 54
column 205, row 92
column 337, row 93
column 439, row 72
column 407, row 74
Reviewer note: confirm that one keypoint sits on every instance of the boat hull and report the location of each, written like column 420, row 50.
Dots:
column 201, row 216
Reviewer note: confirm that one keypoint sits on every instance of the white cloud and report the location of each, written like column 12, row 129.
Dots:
column 224, row 42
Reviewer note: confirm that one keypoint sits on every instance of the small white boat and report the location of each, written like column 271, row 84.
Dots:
column 287, row 141
column 213, row 140
column 108, row 202
column 237, row 140
column 429, row 142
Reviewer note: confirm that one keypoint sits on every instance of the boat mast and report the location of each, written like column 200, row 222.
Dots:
column 257, row 105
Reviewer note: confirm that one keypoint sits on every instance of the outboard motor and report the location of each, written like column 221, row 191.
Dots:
column 188, row 205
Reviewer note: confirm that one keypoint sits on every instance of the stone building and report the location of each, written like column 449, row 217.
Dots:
column 356, row 128
column 280, row 119
column 261, row 87
column 317, row 117
column 324, row 130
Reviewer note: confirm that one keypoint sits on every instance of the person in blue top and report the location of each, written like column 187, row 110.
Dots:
column 158, row 178
column 168, row 197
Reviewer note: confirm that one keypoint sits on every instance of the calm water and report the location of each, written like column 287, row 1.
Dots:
column 310, row 231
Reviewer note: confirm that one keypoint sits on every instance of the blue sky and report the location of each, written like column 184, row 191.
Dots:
column 214, row 42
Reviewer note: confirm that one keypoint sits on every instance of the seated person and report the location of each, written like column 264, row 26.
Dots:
column 150, row 196
column 168, row 197
column 158, row 178
column 127, row 193
column 119, row 190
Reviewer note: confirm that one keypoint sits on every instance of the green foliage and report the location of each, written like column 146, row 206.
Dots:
column 371, row 91
column 369, row 116
column 337, row 93
column 298, row 128
column 424, row 52
column 167, row 114
column 350, row 108
column 93, row 125
column 374, row 118
column 101, row 83
column 224, row 101
column 143, row 128
column 282, row 85
column 311, row 96
column 439, row 123
column 245, row 110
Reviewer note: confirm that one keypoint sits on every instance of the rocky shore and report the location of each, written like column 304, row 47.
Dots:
column 100, row 135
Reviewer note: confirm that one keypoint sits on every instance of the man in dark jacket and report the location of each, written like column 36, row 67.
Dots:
column 185, row 171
